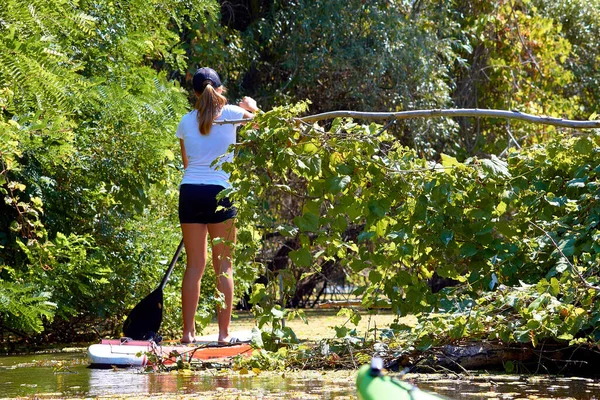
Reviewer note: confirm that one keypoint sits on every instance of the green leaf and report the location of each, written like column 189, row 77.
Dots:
column 301, row 257
column 341, row 331
column 584, row 146
column 468, row 250
column 561, row 265
column 538, row 303
column 301, row 164
column 25, row 307
column 555, row 201
column 352, row 315
column 495, row 167
column 500, row 209
column 314, row 165
column 336, row 184
column 449, row 161
column 509, row 367
column 257, row 338
column 169, row 155
column 277, row 313
column 567, row 246
column 258, row 293
column 534, row 324
column 447, row 236
column 381, row 227
column 363, row 236
column 344, row 169
column 577, row 183
column 354, row 210
column 522, row 336
column 287, row 230
column 374, row 276
column 554, row 286
column 340, row 223
column 424, row 344
column 378, row 208
column 308, row 222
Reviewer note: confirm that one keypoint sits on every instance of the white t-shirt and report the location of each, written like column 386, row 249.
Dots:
column 202, row 150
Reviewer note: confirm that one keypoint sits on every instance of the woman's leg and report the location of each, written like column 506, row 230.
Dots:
column 194, row 239
column 223, row 265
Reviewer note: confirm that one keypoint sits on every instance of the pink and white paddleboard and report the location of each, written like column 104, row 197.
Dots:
column 139, row 353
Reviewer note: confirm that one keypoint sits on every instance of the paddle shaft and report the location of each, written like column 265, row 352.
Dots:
column 171, row 266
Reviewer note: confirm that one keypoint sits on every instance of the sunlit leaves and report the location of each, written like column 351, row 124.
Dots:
column 87, row 121
column 496, row 167
column 336, row 184
column 24, row 307
column 465, row 220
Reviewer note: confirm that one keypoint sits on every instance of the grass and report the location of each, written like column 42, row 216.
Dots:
column 320, row 324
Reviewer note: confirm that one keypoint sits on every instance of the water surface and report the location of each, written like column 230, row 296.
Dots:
column 67, row 375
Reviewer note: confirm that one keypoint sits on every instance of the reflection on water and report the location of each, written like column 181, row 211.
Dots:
column 67, row 375
column 104, row 382
column 508, row 386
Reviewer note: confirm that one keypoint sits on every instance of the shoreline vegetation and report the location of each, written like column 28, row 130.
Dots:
column 319, row 348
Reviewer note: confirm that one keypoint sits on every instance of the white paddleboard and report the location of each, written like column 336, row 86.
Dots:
column 127, row 352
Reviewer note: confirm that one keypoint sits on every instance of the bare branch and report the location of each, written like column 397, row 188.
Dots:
column 436, row 113
column 456, row 112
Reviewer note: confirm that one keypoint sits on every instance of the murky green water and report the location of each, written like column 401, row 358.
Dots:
column 510, row 386
column 67, row 375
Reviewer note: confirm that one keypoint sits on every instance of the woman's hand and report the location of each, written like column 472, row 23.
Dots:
column 249, row 104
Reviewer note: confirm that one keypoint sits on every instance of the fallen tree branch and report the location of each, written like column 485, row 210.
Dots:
column 435, row 113
column 458, row 112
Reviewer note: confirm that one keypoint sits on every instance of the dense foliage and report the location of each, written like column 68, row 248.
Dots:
column 531, row 56
column 88, row 173
column 91, row 92
column 518, row 237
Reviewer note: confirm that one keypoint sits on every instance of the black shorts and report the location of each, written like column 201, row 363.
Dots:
column 198, row 205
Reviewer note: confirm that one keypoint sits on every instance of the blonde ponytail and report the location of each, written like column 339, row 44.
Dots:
column 208, row 105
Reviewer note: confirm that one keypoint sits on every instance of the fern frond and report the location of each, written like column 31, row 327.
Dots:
column 37, row 79
column 24, row 308
column 85, row 22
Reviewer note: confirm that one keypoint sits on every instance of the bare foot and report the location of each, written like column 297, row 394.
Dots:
column 188, row 338
column 225, row 339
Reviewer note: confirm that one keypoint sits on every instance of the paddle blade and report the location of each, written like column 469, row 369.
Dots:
column 143, row 322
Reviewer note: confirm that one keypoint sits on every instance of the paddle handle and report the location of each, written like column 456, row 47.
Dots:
column 171, row 266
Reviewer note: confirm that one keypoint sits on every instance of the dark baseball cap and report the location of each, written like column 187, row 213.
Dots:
column 204, row 74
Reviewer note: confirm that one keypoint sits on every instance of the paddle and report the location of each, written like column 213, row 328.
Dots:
column 144, row 320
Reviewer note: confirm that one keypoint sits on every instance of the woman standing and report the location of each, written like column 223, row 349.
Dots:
column 201, row 144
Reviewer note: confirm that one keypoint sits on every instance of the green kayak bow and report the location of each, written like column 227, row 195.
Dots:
column 372, row 384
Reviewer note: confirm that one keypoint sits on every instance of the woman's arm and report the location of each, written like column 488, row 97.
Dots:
column 248, row 104
column 183, row 154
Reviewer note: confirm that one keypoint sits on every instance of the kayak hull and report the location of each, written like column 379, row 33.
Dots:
column 383, row 387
